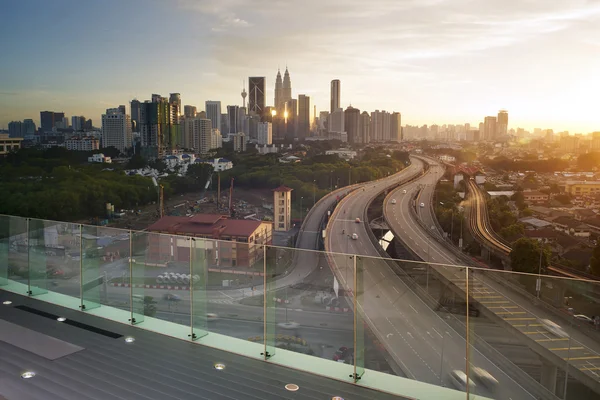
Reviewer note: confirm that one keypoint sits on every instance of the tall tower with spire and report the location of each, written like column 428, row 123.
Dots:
column 244, row 94
column 278, row 92
column 287, row 86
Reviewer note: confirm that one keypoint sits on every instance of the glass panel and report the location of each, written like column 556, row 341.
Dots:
column 91, row 257
column 198, row 280
column 4, row 246
column 270, row 300
column 18, row 251
column 63, row 243
column 140, row 303
column 359, row 328
column 38, row 270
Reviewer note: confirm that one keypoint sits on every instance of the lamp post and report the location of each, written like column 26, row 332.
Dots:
column 330, row 181
column 314, row 191
column 538, row 283
column 301, row 210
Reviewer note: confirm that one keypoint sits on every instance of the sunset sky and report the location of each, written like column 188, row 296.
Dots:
column 435, row 61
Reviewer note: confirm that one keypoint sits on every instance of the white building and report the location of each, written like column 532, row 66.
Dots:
column 202, row 135
column 336, row 121
column 99, row 158
column 85, row 143
column 213, row 112
column 116, row 130
column 265, row 133
column 239, row 142
column 218, row 164
column 346, row 154
column 216, row 139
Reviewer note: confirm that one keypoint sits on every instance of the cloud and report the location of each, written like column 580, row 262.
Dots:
column 222, row 13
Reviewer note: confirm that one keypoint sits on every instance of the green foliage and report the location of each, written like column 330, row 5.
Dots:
column 563, row 198
column 511, row 231
column 595, row 261
column 540, row 166
column 525, row 256
column 137, row 162
column 499, row 213
column 519, row 199
column 53, row 184
column 589, row 161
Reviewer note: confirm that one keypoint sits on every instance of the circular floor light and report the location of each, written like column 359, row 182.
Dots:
column 27, row 374
column 220, row 366
column 292, row 387
column 7, row 302
column 129, row 339
column 61, row 319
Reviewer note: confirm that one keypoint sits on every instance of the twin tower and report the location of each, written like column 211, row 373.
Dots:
column 283, row 89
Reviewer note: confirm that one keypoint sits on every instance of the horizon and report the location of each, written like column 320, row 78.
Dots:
column 434, row 61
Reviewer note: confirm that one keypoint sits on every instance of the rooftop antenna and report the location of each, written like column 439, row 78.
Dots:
column 244, row 94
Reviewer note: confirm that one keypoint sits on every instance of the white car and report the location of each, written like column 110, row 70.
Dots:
column 393, row 201
column 583, row 318
column 422, row 205
column 288, row 325
column 404, row 191
column 212, row 316
column 459, row 380
column 354, row 236
column 554, row 328
column 485, row 378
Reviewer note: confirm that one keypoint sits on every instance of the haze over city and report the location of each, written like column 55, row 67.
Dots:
column 434, row 61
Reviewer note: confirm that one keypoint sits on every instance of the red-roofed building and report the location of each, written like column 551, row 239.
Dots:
column 237, row 241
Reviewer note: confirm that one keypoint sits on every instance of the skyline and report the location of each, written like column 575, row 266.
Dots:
column 431, row 60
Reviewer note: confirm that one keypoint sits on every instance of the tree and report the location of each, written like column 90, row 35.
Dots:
column 519, row 200
column 525, row 256
column 563, row 198
column 595, row 260
column 136, row 162
column 588, row 161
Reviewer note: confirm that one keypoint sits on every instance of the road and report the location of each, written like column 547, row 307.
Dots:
column 513, row 308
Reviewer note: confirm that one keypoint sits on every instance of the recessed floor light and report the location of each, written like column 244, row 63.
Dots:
column 28, row 374
column 7, row 302
column 129, row 339
column 61, row 319
column 220, row 366
column 337, row 398
column 292, row 387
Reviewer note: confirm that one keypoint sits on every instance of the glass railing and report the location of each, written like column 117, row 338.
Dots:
column 409, row 328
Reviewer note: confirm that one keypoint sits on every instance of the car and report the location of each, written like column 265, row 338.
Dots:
column 422, row 205
column 212, row 316
column 357, row 220
column 288, row 325
column 404, row 191
column 354, row 236
column 583, row 318
column 393, row 201
column 459, row 380
column 484, row 377
column 554, row 328
column 343, row 354
column 171, row 297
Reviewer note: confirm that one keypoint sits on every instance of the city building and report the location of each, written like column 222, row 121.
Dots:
column 213, row 112
column 278, row 100
column 175, row 100
column 534, row 196
column 489, row 128
column 189, row 111
column 8, row 144
column 135, row 115
column 99, row 158
column 582, row 188
column 336, row 121
column 78, row 123
column 502, row 124
column 216, row 139
column 16, row 129
column 282, row 208
column 569, row 144
column 286, row 92
column 256, row 98
column 396, row 127
column 335, row 95
column 233, row 120
column 364, row 128
column 346, row 154
column 202, row 135
column 303, row 116
column 48, row 120
column 265, row 133
column 239, row 142
column 116, row 130
column 159, row 127
column 238, row 242
column 218, row 164
column 85, row 143
column 377, row 126
column 352, row 125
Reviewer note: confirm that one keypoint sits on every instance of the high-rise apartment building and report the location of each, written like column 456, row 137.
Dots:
column 28, row 127
column 233, row 122
column 335, row 95
column 116, row 130
column 175, row 99
column 216, row 139
column 202, row 137
column 213, row 112
column 352, row 124
column 122, row 109
column 396, row 127
column 336, row 121
column 303, row 116
column 78, row 123
column 239, row 142
column 49, row 119
column 502, row 123
column 15, row 129
column 189, row 111
column 364, row 128
column 265, row 133
column 159, row 127
column 489, row 128
column 377, row 126
column 256, row 97
column 135, row 115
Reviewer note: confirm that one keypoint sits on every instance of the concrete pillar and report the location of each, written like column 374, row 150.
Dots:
column 548, row 376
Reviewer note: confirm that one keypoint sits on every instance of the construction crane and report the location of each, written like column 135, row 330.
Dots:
column 161, row 197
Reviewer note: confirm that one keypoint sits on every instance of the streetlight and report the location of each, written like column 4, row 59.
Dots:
column 314, row 192
column 331, row 181
column 538, row 283
column 301, row 210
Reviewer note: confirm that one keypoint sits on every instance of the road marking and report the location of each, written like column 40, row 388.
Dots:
column 437, row 332
column 503, row 307
column 581, row 358
column 494, row 302
column 486, row 297
column 520, row 319
column 590, row 369
column 413, row 308
column 550, row 340
column 510, row 312
column 410, row 334
column 533, row 332
column 382, row 274
column 430, row 334
column 227, row 295
column 566, row 348
column 394, row 287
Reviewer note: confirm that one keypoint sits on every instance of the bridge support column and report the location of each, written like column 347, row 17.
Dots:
column 548, row 376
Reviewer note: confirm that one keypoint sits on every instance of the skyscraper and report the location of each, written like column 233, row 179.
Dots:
column 377, row 126
column 291, row 118
column 213, row 112
column 502, row 124
column 159, row 127
column 265, row 133
column 303, row 116
column 202, row 135
column 122, row 109
column 28, row 127
column 352, row 124
column 489, row 128
column 189, row 111
column 116, row 130
column 256, row 101
column 335, row 95
column 336, row 121
column 47, row 120
column 15, row 129
column 77, row 123
column 364, row 128
column 175, row 98
column 234, row 123
column 135, row 114
column 396, row 127
column 287, row 86
column 278, row 103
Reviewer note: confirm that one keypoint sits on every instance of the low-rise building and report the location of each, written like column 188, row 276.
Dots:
column 218, row 164
column 236, row 243
column 582, row 188
column 346, row 154
column 533, row 196
column 85, row 143
column 571, row 226
column 8, row 144
column 99, row 158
